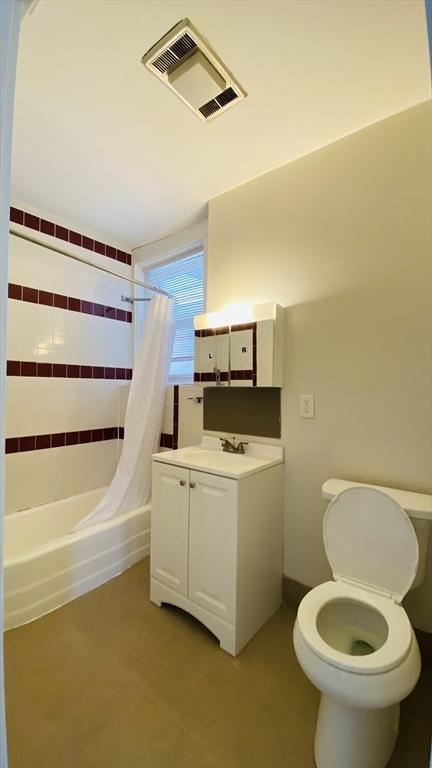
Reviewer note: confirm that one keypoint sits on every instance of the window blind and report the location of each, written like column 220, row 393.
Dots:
column 183, row 278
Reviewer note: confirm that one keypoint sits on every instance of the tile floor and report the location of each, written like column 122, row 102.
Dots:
column 111, row 680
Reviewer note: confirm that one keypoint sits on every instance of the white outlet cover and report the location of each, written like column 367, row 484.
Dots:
column 307, row 406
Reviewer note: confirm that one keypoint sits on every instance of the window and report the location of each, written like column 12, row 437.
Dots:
column 183, row 278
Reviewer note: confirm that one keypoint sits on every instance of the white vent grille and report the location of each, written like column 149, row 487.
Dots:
column 184, row 50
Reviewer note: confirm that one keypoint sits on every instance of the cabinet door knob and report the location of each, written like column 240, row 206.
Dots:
column 182, row 482
column 192, row 485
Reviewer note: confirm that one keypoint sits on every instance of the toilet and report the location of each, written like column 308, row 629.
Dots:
column 352, row 637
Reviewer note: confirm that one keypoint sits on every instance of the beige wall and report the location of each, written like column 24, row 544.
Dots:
column 342, row 238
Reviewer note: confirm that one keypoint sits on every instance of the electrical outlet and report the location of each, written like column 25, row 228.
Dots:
column 307, row 406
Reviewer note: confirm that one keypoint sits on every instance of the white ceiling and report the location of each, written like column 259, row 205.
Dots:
column 100, row 142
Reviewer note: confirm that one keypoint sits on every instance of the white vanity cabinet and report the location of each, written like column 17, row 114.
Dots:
column 216, row 547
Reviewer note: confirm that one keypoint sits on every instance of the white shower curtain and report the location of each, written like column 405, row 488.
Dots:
column 131, row 484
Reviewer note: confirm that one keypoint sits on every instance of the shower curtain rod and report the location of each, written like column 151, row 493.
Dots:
column 91, row 264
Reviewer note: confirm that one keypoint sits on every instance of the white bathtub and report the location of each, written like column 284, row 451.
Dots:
column 46, row 566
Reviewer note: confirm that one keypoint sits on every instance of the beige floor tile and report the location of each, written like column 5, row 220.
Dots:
column 413, row 749
column 72, row 684
column 142, row 736
column 195, row 693
column 34, row 741
column 259, row 735
column 111, row 680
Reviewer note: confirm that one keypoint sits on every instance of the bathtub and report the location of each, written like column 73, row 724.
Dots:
column 46, row 566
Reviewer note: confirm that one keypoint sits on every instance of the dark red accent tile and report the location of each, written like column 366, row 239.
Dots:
column 14, row 291
column 58, row 440
column 75, row 237
column 129, row 373
column 97, row 435
column 197, row 377
column 72, row 438
column 121, row 433
column 121, row 256
column 28, row 369
column 59, row 370
column 30, row 294
column 129, row 259
column 120, row 373
column 44, row 369
column 61, row 232
column 99, row 310
column 110, row 252
column 166, row 441
column 121, row 315
column 12, row 445
column 74, row 304
column 60, row 301
column 85, row 436
column 87, row 307
column 98, row 372
column 128, row 317
column 43, row 441
column 45, row 297
column 99, row 247
column 88, row 243
column 31, row 221
column 73, row 371
column 27, row 443
column 13, row 368
column 116, row 432
column 110, row 373
column 109, row 433
column 16, row 215
column 47, row 227
column 110, row 312
column 86, row 371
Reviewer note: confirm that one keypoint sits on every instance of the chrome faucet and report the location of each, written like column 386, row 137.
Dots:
column 232, row 447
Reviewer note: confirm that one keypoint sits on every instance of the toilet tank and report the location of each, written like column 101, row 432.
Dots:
column 417, row 505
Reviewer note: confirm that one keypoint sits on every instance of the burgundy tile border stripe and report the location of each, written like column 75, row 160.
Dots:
column 175, row 416
column 166, row 441
column 213, row 331
column 61, row 439
column 66, row 370
column 17, row 216
column 49, row 299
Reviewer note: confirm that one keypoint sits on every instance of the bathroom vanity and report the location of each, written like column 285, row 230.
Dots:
column 217, row 536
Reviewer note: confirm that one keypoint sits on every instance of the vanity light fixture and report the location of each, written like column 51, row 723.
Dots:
column 185, row 62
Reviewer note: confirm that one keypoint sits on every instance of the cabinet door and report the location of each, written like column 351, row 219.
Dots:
column 169, row 526
column 213, row 543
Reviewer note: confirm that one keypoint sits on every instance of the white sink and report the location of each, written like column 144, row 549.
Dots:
column 209, row 457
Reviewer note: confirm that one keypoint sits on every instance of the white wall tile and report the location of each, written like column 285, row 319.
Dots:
column 36, row 406
column 167, row 419
column 38, row 477
column 190, row 416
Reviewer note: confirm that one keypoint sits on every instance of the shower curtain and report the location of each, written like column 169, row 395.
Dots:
column 131, row 484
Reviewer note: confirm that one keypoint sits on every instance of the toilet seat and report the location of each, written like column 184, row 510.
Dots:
column 394, row 649
column 370, row 541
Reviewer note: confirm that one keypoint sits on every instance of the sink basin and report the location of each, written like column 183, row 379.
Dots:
column 215, row 461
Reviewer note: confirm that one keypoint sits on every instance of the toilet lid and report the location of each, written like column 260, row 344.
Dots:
column 370, row 540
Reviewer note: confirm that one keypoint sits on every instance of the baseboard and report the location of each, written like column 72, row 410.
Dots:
column 293, row 593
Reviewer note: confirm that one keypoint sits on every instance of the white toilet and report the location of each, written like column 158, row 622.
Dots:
column 352, row 637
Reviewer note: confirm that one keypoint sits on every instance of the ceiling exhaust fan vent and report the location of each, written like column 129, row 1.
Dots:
column 186, row 63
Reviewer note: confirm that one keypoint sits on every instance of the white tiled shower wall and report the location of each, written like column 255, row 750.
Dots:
column 37, row 405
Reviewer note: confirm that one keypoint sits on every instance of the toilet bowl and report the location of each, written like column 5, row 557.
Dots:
column 352, row 638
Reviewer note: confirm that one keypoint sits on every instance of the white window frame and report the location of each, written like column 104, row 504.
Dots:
column 165, row 257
